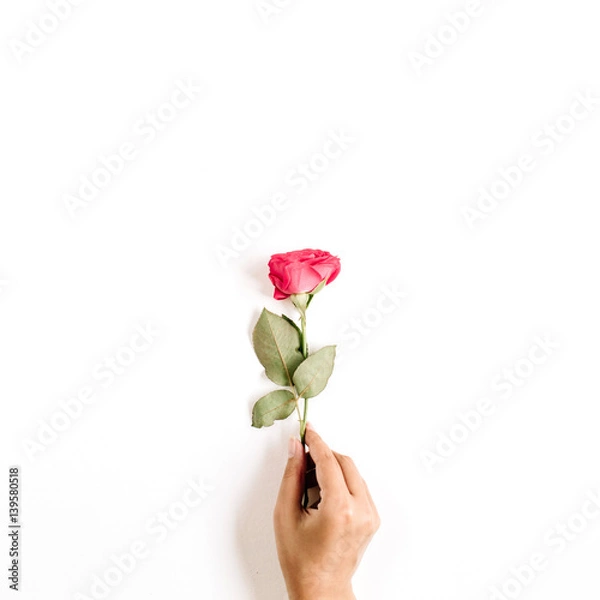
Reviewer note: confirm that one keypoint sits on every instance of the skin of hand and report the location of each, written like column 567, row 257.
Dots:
column 320, row 548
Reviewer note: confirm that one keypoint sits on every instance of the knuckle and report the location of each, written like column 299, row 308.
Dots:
column 369, row 523
column 366, row 525
column 376, row 524
column 327, row 454
column 345, row 514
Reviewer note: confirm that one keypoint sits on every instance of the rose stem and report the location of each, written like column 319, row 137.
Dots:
column 304, row 342
column 305, row 354
column 304, row 418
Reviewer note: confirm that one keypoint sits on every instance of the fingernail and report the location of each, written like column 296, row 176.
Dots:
column 310, row 426
column 292, row 446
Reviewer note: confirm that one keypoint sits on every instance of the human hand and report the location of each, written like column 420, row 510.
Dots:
column 320, row 548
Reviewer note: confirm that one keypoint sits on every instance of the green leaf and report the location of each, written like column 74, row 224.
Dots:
column 277, row 345
column 277, row 405
column 292, row 323
column 312, row 375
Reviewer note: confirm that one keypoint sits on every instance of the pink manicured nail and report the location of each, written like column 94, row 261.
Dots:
column 292, row 446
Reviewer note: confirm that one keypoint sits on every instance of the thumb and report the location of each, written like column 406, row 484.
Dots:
column 292, row 483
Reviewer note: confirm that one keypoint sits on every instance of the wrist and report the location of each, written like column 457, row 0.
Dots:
column 321, row 593
column 349, row 595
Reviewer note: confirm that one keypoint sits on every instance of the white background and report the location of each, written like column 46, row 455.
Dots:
column 145, row 251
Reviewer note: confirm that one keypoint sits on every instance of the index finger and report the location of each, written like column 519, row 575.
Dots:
column 329, row 474
column 354, row 482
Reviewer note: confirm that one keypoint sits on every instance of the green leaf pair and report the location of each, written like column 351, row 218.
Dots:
column 277, row 343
